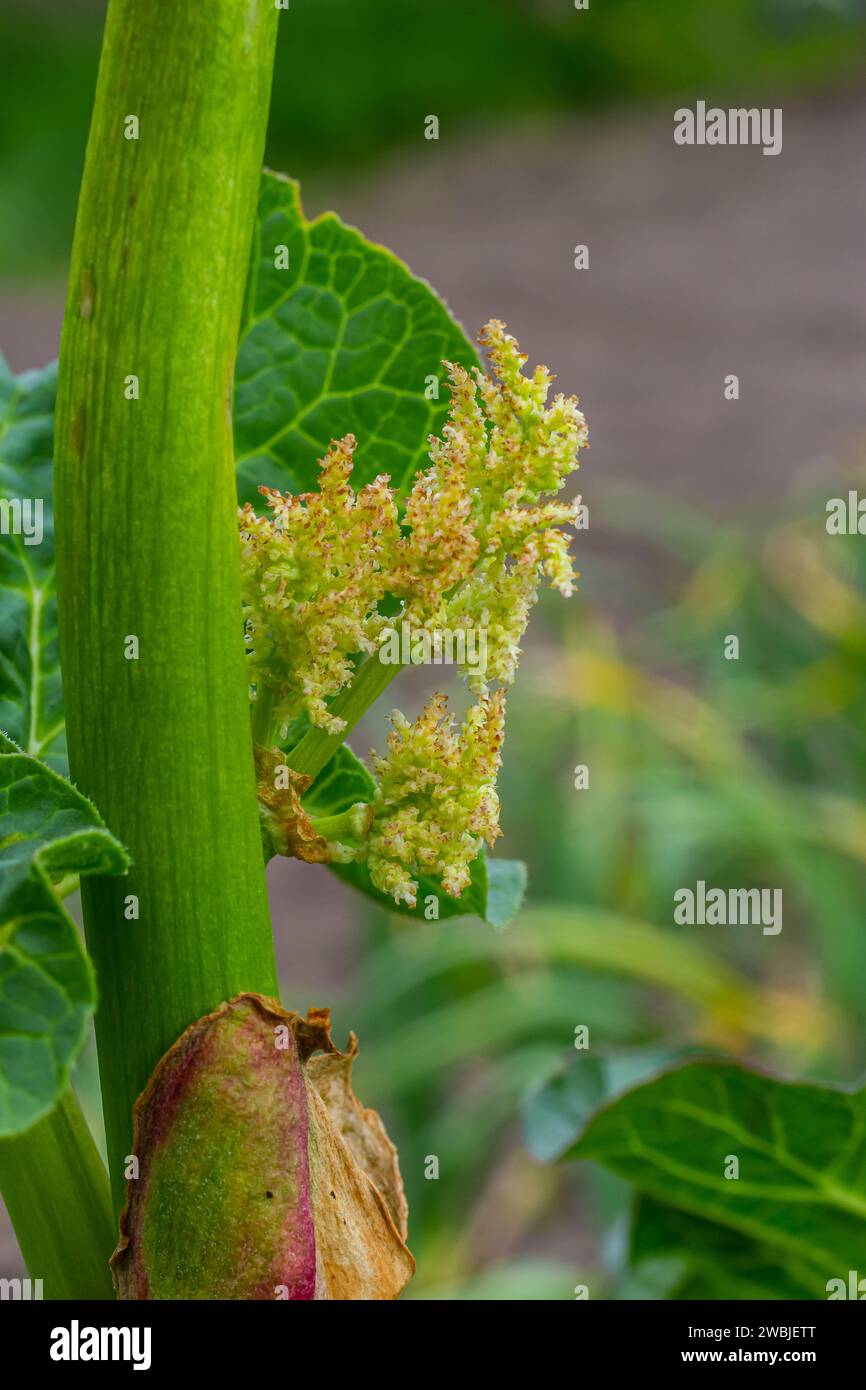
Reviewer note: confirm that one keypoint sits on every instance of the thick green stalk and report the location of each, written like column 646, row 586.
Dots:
column 148, row 571
column 56, row 1192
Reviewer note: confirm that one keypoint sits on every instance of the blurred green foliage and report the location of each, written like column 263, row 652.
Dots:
column 355, row 80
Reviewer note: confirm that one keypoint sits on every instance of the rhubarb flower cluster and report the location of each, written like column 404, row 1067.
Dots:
column 480, row 538
column 479, row 534
column 437, row 797
column 312, row 576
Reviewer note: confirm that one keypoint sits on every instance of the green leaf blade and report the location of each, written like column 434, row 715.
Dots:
column 801, row 1189
column 31, row 702
column 343, row 341
column 47, row 984
column 496, row 906
column 715, row 1263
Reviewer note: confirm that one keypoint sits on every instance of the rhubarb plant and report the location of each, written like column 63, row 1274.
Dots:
column 280, row 476
column 269, row 474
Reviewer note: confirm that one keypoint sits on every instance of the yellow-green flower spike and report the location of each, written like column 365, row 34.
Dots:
column 476, row 542
column 437, row 797
column 480, row 538
column 312, row 575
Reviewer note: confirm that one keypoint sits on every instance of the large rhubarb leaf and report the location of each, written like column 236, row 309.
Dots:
column 344, row 339
column 341, row 340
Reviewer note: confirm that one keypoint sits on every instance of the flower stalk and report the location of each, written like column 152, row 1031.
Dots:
column 317, row 746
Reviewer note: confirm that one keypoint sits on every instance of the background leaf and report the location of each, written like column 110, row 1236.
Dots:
column 559, row 1108
column 47, row 988
column 343, row 341
column 801, row 1190
column 31, row 706
column 715, row 1263
column 507, row 881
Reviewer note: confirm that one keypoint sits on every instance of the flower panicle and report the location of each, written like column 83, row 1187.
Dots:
column 482, row 528
column 502, row 453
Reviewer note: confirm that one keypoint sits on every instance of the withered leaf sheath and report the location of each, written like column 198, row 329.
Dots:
column 260, row 1175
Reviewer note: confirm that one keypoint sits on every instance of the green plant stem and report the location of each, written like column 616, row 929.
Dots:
column 353, row 824
column 317, row 747
column 262, row 719
column 147, row 531
column 56, row 1192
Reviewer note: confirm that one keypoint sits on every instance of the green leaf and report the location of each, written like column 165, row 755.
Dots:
column 557, row 1109
column 801, row 1190
column 342, row 781
column 718, row 1263
column 471, row 903
column 506, row 889
column 345, row 340
column 47, row 987
column 31, row 707
column 495, row 891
